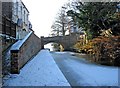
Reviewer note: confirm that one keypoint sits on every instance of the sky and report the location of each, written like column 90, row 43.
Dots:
column 42, row 14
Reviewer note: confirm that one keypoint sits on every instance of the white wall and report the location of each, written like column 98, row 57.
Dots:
column 20, row 12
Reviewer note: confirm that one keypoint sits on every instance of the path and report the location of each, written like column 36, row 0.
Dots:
column 40, row 71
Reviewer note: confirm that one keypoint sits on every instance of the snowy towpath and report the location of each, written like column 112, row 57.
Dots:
column 40, row 71
column 80, row 72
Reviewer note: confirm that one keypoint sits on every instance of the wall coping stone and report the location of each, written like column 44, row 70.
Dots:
column 19, row 43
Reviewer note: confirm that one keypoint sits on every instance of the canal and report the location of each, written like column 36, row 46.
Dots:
column 81, row 72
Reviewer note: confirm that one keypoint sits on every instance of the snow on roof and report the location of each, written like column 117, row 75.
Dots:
column 19, row 43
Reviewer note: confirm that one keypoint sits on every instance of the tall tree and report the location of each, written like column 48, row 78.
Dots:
column 93, row 16
column 61, row 21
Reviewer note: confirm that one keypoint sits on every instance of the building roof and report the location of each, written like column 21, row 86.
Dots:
column 24, row 6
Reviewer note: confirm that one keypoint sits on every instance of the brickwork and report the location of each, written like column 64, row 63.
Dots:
column 7, row 10
column 33, row 45
column 7, row 37
column 29, row 49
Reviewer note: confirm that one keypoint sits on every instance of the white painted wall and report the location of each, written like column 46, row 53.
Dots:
column 20, row 12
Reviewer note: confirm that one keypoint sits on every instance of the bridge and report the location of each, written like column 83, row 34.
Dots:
column 23, row 50
column 66, row 41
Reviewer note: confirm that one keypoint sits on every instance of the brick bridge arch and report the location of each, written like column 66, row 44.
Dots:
column 66, row 41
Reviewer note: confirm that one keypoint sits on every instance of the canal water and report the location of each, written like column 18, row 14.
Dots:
column 89, row 58
column 49, row 46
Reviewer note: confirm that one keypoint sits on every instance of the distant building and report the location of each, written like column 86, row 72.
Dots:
column 19, row 14
column 73, row 28
column 118, row 8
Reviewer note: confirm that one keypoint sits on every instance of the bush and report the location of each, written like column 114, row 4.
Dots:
column 106, row 50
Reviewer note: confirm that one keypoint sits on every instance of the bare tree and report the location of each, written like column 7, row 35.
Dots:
column 61, row 21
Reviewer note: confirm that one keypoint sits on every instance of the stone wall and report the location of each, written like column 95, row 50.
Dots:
column 19, row 57
column 7, row 10
column 66, row 41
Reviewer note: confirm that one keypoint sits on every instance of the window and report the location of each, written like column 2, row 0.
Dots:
column 17, row 8
column 27, row 17
column 24, row 15
column 21, row 12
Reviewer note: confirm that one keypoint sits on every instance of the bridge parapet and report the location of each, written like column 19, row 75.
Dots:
column 66, row 41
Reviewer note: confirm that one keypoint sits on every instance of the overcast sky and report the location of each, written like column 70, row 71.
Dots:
column 42, row 14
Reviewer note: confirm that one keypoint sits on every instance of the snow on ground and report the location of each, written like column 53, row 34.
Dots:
column 40, row 71
column 95, row 75
column 89, row 74
column 68, row 52
column 19, row 43
column 61, row 52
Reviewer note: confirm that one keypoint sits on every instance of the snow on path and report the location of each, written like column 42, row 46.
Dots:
column 95, row 75
column 40, row 71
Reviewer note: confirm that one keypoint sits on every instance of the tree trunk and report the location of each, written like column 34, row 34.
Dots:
column 63, row 30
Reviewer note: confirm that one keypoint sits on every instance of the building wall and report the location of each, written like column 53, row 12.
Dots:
column 7, row 9
column 0, row 46
column 19, row 14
